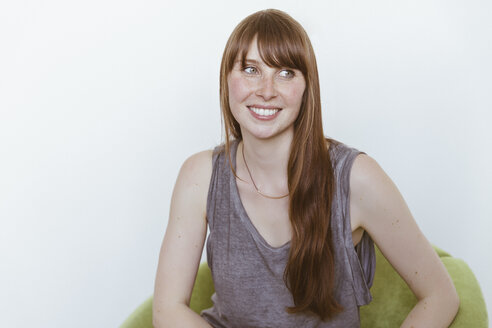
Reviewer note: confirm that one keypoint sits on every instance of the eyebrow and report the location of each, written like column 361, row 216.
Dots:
column 248, row 60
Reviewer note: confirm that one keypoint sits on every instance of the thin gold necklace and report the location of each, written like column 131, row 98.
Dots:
column 254, row 184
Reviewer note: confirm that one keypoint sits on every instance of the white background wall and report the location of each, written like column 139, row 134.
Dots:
column 101, row 102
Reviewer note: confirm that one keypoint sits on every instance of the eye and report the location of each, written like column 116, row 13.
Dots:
column 287, row 73
column 250, row 70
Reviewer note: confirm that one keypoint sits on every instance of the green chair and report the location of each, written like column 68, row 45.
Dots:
column 392, row 299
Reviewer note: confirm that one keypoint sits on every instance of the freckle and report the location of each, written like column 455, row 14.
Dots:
column 416, row 272
column 397, row 221
column 179, row 236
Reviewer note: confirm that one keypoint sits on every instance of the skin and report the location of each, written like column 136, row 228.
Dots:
column 376, row 206
column 266, row 143
column 262, row 85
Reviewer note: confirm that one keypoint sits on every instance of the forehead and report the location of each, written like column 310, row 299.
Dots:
column 252, row 52
column 252, row 55
column 272, row 51
column 253, row 49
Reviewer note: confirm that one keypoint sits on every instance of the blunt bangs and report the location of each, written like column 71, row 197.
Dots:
column 279, row 44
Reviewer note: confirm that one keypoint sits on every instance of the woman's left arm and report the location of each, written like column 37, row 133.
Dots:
column 378, row 207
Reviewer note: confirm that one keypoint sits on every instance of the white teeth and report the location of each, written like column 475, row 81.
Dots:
column 264, row 112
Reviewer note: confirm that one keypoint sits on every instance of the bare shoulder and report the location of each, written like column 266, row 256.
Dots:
column 365, row 170
column 198, row 167
column 194, row 179
column 369, row 184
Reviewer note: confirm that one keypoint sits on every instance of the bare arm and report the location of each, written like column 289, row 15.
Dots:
column 378, row 207
column 183, row 245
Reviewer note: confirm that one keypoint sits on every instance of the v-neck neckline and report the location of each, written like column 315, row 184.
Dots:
column 243, row 214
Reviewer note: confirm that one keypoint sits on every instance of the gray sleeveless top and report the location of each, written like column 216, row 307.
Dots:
column 248, row 272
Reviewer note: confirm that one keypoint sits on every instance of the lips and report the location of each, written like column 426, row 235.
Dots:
column 264, row 113
column 264, row 106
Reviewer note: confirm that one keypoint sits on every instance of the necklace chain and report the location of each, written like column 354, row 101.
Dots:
column 254, row 184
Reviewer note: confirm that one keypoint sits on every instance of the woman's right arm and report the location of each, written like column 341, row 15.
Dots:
column 183, row 245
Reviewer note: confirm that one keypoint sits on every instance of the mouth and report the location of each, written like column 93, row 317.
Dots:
column 264, row 112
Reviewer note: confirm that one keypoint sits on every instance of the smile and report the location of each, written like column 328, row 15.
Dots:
column 264, row 112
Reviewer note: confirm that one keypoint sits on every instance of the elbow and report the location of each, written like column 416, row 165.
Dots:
column 456, row 303
column 161, row 311
column 159, row 318
column 165, row 316
column 451, row 301
column 156, row 322
column 453, row 307
column 451, row 298
column 445, row 301
column 164, row 319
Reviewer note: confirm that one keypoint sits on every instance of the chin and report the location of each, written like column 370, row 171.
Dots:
column 265, row 135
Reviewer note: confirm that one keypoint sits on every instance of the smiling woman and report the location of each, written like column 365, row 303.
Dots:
column 293, row 215
column 265, row 101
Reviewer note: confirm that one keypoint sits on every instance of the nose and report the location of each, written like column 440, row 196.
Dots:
column 266, row 88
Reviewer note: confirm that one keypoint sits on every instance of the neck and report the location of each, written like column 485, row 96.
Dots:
column 267, row 160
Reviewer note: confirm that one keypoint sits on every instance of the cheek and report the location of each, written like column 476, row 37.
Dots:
column 238, row 89
column 296, row 92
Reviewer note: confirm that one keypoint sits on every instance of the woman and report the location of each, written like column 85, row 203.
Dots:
column 292, row 215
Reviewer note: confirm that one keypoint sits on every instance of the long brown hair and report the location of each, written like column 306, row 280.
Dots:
column 282, row 42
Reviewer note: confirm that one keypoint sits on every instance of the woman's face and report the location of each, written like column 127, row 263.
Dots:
column 265, row 101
